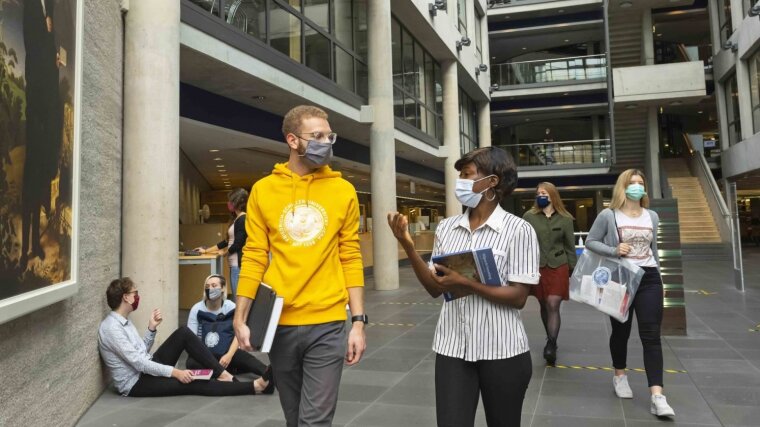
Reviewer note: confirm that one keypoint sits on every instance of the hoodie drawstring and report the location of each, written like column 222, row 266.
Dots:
column 309, row 179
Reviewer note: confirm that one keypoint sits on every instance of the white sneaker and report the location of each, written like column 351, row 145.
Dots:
column 622, row 389
column 660, row 406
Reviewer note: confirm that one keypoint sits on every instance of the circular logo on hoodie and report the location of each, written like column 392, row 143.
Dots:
column 303, row 223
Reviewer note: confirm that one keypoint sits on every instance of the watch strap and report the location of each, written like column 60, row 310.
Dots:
column 360, row 318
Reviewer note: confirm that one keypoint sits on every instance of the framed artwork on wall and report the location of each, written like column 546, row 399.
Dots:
column 40, row 109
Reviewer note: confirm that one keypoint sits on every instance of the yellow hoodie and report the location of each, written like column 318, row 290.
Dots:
column 310, row 224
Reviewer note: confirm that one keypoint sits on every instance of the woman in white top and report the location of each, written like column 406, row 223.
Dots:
column 211, row 320
column 628, row 229
column 236, row 236
column 480, row 342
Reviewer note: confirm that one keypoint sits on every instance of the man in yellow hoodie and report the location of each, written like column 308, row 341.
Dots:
column 307, row 217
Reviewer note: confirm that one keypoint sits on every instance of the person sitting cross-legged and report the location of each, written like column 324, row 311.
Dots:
column 211, row 319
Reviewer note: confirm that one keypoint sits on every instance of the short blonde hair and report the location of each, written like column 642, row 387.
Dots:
column 618, row 193
column 294, row 118
column 554, row 197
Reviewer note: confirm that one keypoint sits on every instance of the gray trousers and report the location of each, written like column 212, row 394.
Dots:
column 307, row 362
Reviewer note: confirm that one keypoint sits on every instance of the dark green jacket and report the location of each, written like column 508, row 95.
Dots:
column 555, row 238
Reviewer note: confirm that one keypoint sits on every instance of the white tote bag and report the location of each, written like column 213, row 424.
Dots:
column 606, row 283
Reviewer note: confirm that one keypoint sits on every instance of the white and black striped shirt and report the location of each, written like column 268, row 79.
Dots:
column 473, row 328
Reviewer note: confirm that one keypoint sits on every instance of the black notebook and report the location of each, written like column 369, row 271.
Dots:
column 263, row 318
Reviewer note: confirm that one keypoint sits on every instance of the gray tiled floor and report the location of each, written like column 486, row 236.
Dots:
column 393, row 385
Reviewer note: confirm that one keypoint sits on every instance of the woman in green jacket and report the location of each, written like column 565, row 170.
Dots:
column 554, row 228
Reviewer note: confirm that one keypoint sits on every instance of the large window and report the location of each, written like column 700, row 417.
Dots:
column 732, row 111
column 328, row 36
column 724, row 19
column 754, row 71
column 417, row 84
column 478, row 37
column 468, row 123
column 462, row 16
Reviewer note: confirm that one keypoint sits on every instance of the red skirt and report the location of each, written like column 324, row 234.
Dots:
column 554, row 281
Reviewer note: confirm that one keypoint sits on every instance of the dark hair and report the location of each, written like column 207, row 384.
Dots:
column 239, row 199
column 116, row 291
column 493, row 161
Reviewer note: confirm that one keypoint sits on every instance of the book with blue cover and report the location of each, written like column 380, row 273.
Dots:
column 477, row 264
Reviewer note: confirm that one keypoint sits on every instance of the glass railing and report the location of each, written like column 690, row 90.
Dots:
column 549, row 70
column 592, row 152
column 502, row 3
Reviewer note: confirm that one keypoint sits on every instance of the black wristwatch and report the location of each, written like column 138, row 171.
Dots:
column 360, row 318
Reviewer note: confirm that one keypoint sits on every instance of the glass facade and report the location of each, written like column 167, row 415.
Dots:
column 724, row 19
column 754, row 73
column 417, row 84
column 328, row 36
column 468, row 123
column 478, row 37
column 732, row 111
column 462, row 16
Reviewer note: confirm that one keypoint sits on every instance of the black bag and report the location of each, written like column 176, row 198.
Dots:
column 217, row 332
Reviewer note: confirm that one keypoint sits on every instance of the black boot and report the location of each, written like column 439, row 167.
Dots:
column 550, row 351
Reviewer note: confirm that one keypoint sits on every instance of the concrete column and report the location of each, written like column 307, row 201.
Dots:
column 595, row 146
column 484, row 124
column 720, row 102
column 653, row 155
column 382, row 145
column 745, row 97
column 714, row 17
column 598, row 202
column 647, row 39
column 150, row 233
column 451, row 133
column 720, row 93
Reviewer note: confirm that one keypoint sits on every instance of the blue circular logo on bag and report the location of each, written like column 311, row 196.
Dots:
column 601, row 276
column 212, row 339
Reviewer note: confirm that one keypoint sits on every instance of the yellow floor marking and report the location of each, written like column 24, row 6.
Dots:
column 605, row 368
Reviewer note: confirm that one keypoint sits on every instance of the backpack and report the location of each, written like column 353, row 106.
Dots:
column 216, row 331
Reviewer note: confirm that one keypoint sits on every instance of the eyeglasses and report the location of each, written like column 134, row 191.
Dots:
column 321, row 137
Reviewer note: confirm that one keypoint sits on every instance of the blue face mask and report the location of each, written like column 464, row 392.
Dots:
column 635, row 192
column 542, row 201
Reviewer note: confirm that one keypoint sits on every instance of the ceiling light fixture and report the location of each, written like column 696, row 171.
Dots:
column 218, row 159
column 213, row 151
column 631, row 106
column 258, row 97
column 625, row 4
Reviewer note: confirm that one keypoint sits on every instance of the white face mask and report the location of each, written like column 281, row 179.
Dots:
column 464, row 192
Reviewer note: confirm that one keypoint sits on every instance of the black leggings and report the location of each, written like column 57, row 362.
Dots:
column 168, row 354
column 502, row 383
column 241, row 362
column 647, row 304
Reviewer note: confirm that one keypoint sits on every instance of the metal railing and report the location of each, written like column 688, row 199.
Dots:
column 718, row 207
column 591, row 152
column 549, row 70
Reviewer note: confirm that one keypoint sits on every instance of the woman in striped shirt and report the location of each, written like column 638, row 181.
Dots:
column 480, row 342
